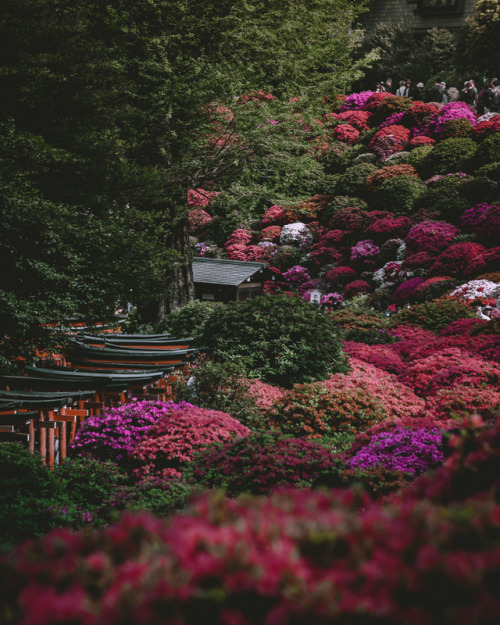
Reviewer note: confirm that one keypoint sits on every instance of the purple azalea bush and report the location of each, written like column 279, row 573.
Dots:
column 114, row 434
column 401, row 449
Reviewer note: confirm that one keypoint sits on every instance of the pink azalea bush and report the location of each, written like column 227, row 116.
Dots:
column 429, row 236
column 175, row 437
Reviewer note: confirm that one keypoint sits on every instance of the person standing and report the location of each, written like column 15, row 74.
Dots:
column 493, row 94
column 435, row 94
column 469, row 93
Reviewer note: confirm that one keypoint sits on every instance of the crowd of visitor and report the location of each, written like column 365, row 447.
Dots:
column 484, row 100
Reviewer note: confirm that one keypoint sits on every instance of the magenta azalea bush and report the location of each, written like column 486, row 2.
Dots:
column 401, row 449
column 114, row 434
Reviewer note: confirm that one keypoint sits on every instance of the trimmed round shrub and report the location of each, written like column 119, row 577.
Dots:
column 488, row 228
column 448, row 156
column 357, row 287
column 278, row 339
column 365, row 252
column 375, row 180
column 419, row 154
column 455, row 128
column 434, row 315
column 380, row 356
column 432, row 288
column 189, row 320
column 393, row 249
column 340, row 276
column 400, row 194
column 488, row 152
column 405, row 292
column 175, row 437
column 259, row 464
column 488, row 261
column 353, row 180
column 480, row 189
column 419, row 261
column 429, row 236
column 402, row 449
column 114, row 433
column 455, row 259
column 388, row 228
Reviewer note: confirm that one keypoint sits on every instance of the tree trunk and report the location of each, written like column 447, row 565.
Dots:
column 181, row 286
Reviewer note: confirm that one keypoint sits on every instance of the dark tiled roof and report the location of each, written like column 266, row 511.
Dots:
column 226, row 272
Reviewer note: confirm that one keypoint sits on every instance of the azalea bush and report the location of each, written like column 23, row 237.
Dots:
column 411, row 451
column 176, row 436
column 259, row 464
column 114, row 433
column 433, row 315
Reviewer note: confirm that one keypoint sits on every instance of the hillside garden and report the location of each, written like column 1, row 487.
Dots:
column 321, row 464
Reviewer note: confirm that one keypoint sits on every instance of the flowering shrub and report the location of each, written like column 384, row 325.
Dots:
column 314, row 411
column 356, row 101
column 380, row 356
column 175, row 438
column 295, row 234
column 357, row 287
column 450, row 367
column 388, row 228
column 487, row 261
column 114, row 433
column 201, row 197
column 461, row 326
column 473, row 216
column 275, row 215
column 418, row 114
column 419, row 141
column 390, row 274
column 321, row 255
column 405, row 292
column 353, row 180
column 449, row 155
column 198, row 219
column 408, row 332
column 389, row 139
column 375, row 181
column 295, row 276
column 429, row 236
column 365, row 251
column 332, row 300
column 409, row 450
column 348, row 219
column 358, row 119
column 476, row 289
column 488, row 228
column 340, row 276
column 455, row 259
column 257, row 96
column 346, row 133
column 432, row 288
column 486, row 128
column 270, row 233
column 453, row 112
column 420, row 260
column 260, row 463
column 459, row 400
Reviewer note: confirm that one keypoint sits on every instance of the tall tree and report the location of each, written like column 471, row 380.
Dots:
column 114, row 91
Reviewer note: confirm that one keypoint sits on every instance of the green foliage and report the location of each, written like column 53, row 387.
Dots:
column 450, row 155
column 479, row 39
column 361, row 324
column 434, row 315
column 219, row 386
column 189, row 320
column 28, row 489
column 487, row 153
column 400, row 194
column 418, row 155
column 279, row 339
column 353, row 180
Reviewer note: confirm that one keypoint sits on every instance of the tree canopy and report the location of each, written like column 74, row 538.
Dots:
column 102, row 133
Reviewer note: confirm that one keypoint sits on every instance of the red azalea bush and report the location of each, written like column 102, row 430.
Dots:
column 198, row 219
column 419, row 260
column 456, row 259
column 348, row 219
column 400, row 134
column 487, row 261
column 270, row 233
column 461, row 326
column 240, row 251
column 419, row 141
column 388, row 228
column 263, row 395
column 458, row 127
column 378, row 177
column 486, row 128
column 405, row 560
column 260, row 463
column 358, row 119
column 450, row 367
column 275, row 215
column 433, row 288
column 380, row 356
column 429, row 236
column 459, row 400
column 321, row 255
column 340, row 276
column 346, row 133
column 201, row 197
column 175, row 438
column 411, row 333
column 357, row 287
column 418, row 113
